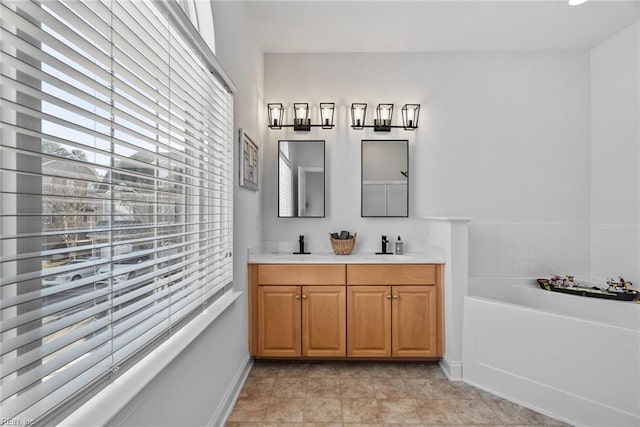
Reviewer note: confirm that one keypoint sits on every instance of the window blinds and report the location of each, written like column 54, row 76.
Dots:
column 285, row 185
column 115, row 190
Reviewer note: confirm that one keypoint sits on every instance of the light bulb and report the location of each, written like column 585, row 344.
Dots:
column 411, row 114
column 326, row 116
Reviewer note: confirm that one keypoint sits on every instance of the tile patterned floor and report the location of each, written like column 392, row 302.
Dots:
column 367, row 394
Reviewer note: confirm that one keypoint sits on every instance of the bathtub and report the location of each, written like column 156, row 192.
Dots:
column 573, row 358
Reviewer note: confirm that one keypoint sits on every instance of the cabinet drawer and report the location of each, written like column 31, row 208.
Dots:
column 396, row 274
column 301, row 274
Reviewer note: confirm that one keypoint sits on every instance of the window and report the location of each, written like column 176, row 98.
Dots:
column 115, row 193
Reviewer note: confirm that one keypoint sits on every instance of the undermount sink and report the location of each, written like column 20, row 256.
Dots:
column 289, row 255
column 388, row 258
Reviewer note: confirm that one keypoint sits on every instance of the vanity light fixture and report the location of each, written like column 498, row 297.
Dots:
column 276, row 112
column 326, row 114
column 410, row 113
column 384, row 114
column 358, row 114
column 382, row 123
column 301, row 120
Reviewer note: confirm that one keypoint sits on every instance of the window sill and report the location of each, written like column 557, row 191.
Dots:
column 100, row 409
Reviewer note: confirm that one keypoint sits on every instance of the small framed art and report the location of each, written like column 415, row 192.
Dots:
column 249, row 162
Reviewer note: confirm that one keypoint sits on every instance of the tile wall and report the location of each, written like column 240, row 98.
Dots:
column 529, row 250
column 588, row 251
column 615, row 250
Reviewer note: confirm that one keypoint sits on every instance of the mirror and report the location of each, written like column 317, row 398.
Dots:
column 301, row 179
column 385, row 178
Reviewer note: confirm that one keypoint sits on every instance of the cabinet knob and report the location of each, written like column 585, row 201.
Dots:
column 395, row 297
column 297, row 296
column 388, row 296
column 304, row 296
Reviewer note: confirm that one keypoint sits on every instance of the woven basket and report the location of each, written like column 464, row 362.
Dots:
column 343, row 247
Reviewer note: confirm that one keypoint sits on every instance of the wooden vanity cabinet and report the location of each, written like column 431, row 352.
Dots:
column 299, row 311
column 394, row 311
column 353, row 310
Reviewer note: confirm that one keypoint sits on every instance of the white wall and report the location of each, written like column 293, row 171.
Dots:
column 503, row 137
column 191, row 389
column 615, row 140
column 608, row 245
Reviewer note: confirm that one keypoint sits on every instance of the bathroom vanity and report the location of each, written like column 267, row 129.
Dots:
column 355, row 306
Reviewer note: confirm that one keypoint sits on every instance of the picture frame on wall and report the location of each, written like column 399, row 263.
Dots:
column 249, row 162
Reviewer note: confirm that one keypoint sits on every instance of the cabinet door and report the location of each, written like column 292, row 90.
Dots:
column 414, row 321
column 279, row 320
column 324, row 321
column 369, row 321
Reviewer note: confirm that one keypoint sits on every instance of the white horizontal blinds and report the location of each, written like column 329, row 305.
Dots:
column 115, row 193
column 217, row 127
column 55, row 327
column 145, row 201
column 201, row 130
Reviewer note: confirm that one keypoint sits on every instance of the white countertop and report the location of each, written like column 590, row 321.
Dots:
column 429, row 257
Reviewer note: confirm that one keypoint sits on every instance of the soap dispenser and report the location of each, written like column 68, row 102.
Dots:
column 399, row 246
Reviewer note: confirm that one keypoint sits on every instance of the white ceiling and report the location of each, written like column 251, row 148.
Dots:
column 427, row 26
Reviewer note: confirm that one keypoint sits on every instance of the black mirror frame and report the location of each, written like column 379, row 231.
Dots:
column 406, row 141
column 324, row 180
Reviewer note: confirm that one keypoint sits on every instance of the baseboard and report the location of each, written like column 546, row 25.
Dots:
column 453, row 370
column 219, row 417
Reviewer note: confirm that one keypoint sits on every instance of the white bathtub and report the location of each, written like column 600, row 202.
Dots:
column 570, row 357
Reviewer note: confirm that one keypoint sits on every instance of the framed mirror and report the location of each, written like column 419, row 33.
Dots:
column 385, row 178
column 301, row 179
